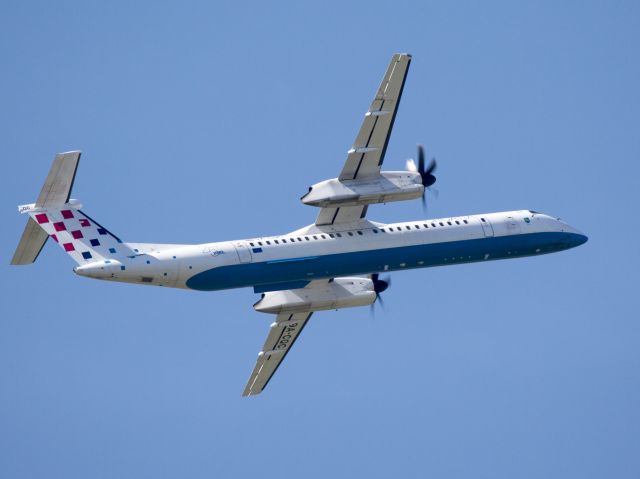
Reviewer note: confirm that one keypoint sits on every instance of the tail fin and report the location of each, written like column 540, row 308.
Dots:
column 57, row 216
column 55, row 191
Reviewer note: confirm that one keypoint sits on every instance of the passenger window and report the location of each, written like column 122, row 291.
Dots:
column 331, row 235
column 268, row 242
column 292, row 240
column 408, row 227
column 433, row 225
column 338, row 235
column 260, row 243
column 284, row 240
column 382, row 230
column 315, row 237
column 306, row 238
column 276, row 242
column 251, row 244
column 417, row 227
column 457, row 222
column 375, row 230
column 299, row 239
column 483, row 220
column 399, row 229
column 323, row 237
column 441, row 223
column 449, row 223
column 465, row 222
column 349, row 233
column 425, row 225
column 360, row 233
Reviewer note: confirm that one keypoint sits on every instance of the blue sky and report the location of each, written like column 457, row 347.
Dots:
column 204, row 121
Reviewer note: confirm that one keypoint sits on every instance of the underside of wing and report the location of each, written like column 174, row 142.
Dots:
column 367, row 153
column 283, row 333
column 343, row 214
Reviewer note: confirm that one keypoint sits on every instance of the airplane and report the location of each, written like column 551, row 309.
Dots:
column 332, row 264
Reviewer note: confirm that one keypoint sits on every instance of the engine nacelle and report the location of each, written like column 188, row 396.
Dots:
column 384, row 188
column 330, row 294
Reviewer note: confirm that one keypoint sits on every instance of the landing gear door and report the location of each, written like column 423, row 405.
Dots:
column 244, row 253
column 487, row 228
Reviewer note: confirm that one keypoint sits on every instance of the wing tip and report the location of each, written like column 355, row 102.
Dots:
column 249, row 392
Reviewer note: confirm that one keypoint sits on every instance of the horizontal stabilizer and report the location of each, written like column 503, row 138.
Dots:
column 57, row 187
column 31, row 243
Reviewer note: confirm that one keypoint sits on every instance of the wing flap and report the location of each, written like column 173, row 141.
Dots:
column 344, row 214
column 283, row 333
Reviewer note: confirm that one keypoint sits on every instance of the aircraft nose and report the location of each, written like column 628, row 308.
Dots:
column 575, row 236
column 578, row 238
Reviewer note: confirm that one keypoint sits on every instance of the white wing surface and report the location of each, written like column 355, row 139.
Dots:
column 283, row 333
column 367, row 153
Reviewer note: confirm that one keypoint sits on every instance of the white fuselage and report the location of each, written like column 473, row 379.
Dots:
column 293, row 259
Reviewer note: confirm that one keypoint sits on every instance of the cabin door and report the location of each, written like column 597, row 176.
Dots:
column 486, row 227
column 243, row 252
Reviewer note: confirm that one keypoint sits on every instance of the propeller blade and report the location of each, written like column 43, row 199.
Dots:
column 379, row 285
column 432, row 166
column 379, row 300
column 421, row 158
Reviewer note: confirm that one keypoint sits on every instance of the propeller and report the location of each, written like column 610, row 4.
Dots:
column 379, row 286
column 428, row 178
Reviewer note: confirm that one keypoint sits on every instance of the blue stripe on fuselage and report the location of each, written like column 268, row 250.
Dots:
column 375, row 260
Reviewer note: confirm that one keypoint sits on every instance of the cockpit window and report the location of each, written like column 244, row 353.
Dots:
column 534, row 212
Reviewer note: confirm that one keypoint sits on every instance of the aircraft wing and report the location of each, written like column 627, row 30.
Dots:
column 367, row 153
column 283, row 333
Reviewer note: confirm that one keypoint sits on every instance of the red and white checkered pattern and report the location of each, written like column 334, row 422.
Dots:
column 80, row 236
